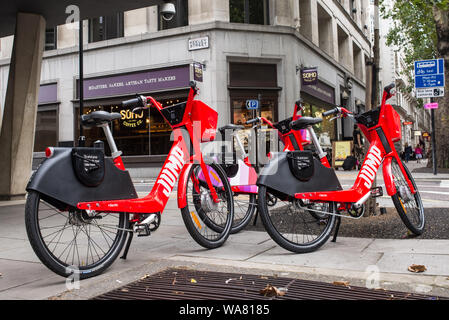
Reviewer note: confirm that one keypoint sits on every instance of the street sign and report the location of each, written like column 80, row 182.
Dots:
column 408, row 123
column 198, row 43
column 429, row 92
column 429, row 78
column 252, row 104
column 433, row 105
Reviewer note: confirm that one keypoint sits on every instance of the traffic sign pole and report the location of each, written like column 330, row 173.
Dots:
column 434, row 145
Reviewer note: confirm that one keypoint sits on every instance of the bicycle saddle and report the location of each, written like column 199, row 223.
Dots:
column 230, row 127
column 98, row 118
column 304, row 122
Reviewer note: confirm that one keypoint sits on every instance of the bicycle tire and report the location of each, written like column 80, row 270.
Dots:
column 40, row 246
column 278, row 235
column 404, row 207
column 207, row 231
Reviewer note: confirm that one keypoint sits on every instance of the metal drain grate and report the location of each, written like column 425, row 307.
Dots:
column 183, row 284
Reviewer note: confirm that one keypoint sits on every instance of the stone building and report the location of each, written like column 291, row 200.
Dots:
column 248, row 49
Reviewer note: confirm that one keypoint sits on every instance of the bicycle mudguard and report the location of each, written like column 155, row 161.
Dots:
column 388, row 177
column 277, row 176
column 55, row 178
column 182, row 185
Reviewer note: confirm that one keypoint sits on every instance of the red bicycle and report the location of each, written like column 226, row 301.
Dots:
column 242, row 173
column 81, row 205
column 310, row 197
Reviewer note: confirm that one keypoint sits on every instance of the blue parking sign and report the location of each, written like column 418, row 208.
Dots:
column 252, row 104
column 429, row 74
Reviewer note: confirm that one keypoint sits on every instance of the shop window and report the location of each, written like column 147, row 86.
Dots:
column 46, row 133
column 181, row 18
column 240, row 114
column 50, row 39
column 142, row 134
column 326, row 130
column 106, row 27
column 249, row 11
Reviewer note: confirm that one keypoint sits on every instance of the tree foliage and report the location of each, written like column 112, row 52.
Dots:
column 413, row 28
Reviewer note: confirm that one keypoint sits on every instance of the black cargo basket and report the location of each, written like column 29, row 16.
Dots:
column 301, row 164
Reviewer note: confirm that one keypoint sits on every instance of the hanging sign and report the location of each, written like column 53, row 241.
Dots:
column 309, row 76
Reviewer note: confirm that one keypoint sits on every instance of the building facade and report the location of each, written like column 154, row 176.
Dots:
column 246, row 49
column 415, row 121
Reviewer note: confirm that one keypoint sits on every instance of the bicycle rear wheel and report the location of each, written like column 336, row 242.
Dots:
column 207, row 222
column 244, row 207
column 70, row 241
column 409, row 206
column 291, row 225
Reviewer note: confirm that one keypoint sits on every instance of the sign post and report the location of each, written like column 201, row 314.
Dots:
column 429, row 83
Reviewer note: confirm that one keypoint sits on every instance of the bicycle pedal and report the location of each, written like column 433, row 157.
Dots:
column 142, row 230
column 377, row 192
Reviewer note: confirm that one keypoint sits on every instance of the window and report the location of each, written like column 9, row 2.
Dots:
column 50, row 39
column 142, row 134
column 249, row 11
column 181, row 18
column 343, row 47
column 46, row 134
column 305, row 15
column 358, row 63
column 106, row 27
column 325, row 30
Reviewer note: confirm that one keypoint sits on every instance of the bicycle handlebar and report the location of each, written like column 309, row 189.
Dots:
column 330, row 112
column 252, row 121
column 133, row 102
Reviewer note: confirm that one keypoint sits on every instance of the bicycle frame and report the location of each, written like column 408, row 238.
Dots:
column 245, row 181
column 381, row 151
column 184, row 153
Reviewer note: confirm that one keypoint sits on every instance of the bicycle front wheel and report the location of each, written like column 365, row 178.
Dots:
column 208, row 223
column 409, row 206
column 291, row 225
column 73, row 242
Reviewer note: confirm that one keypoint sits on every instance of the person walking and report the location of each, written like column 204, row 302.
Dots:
column 358, row 145
column 408, row 152
column 418, row 153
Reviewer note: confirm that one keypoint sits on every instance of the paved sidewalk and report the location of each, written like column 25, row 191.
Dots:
column 357, row 260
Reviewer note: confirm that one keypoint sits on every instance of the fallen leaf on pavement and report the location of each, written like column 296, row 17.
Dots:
column 272, row 291
column 341, row 283
column 145, row 277
column 124, row 290
column 417, row 268
column 193, row 280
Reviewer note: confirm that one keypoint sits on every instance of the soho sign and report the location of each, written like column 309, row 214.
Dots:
column 199, row 43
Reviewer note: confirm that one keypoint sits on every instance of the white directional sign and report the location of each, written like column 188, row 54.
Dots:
column 430, row 92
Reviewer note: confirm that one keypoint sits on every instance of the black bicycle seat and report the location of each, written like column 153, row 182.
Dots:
column 304, row 122
column 231, row 127
column 98, row 118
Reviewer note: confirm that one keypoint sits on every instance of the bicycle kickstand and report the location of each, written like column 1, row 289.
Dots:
column 128, row 244
column 255, row 216
column 337, row 228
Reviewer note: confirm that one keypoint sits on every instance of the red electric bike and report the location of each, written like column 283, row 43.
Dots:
column 242, row 173
column 310, row 197
column 81, row 206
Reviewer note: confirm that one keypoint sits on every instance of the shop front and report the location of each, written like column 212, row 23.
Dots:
column 253, row 81
column 143, row 137
column 317, row 99
column 46, row 133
